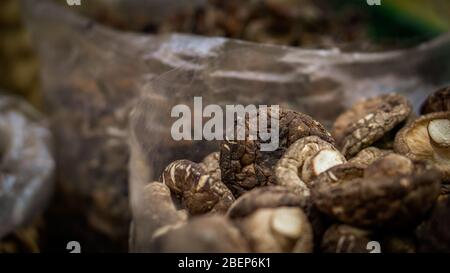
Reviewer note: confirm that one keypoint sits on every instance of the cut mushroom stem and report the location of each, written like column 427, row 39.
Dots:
column 283, row 229
column 326, row 159
column 286, row 222
column 439, row 133
column 304, row 160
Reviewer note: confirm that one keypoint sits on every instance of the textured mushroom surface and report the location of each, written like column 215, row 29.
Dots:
column 282, row 229
column 404, row 242
column 265, row 197
column 433, row 233
column 160, row 207
column 369, row 155
column 416, row 141
column 304, row 160
column 202, row 234
column 439, row 101
column 341, row 238
column 199, row 191
column 274, row 197
column 368, row 121
column 211, row 165
column 244, row 166
column 390, row 193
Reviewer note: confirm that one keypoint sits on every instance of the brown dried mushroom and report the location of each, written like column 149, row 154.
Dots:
column 200, row 191
column 398, row 243
column 427, row 138
column 288, row 197
column 433, row 234
column 274, row 197
column 392, row 192
column 211, row 165
column 282, row 229
column 439, row 101
column 212, row 233
column 244, row 166
column 341, row 238
column 160, row 208
column 369, row 155
column 368, row 121
column 265, row 197
column 303, row 161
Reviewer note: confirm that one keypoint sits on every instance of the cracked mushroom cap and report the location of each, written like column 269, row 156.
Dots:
column 200, row 191
column 282, row 229
column 303, row 161
column 390, row 193
column 427, row 138
column 368, row 121
column 211, row 233
column 439, row 101
column 340, row 238
column 244, row 166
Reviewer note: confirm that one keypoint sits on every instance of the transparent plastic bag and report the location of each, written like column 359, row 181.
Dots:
column 319, row 83
column 94, row 76
column 133, row 15
column 27, row 165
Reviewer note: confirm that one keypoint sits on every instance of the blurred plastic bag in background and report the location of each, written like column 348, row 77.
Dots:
column 27, row 165
column 93, row 78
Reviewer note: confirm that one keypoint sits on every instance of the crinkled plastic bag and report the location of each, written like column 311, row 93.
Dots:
column 319, row 83
column 95, row 76
column 26, row 168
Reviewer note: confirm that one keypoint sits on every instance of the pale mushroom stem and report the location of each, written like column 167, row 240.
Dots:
column 439, row 133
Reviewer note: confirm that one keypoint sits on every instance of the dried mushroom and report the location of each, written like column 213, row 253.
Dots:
column 282, row 229
column 160, row 208
column 287, row 198
column 244, row 166
column 427, row 138
column 341, row 238
column 439, row 101
column 369, row 155
column 200, row 191
column 433, row 234
column 398, row 243
column 211, row 165
column 392, row 192
column 369, row 121
column 265, row 197
column 390, row 165
column 304, row 160
column 274, row 197
column 212, row 233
